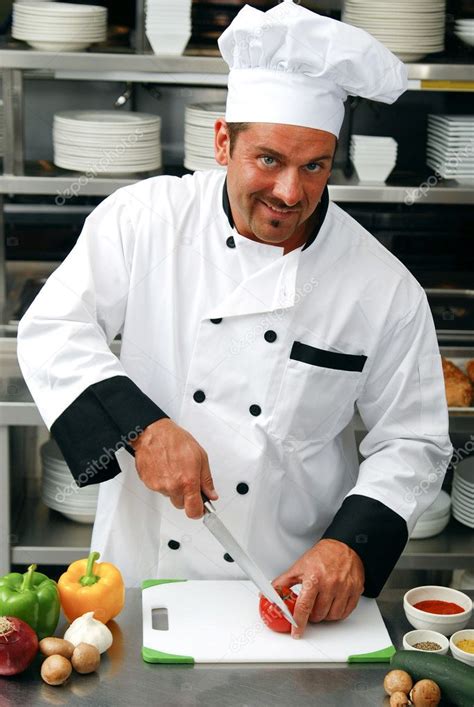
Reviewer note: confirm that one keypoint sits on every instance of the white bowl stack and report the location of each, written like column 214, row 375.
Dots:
column 450, row 146
column 466, row 580
column 107, row 141
column 462, row 494
column 435, row 519
column 464, row 30
column 199, row 122
column 168, row 26
column 2, row 129
column 60, row 492
column 59, row 26
column 373, row 157
column 409, row 28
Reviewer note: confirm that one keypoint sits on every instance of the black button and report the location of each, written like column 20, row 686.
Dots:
column 228, row 558
column 255, row 410
column 199, row 396
column 270, row 336
column 174, row 545
column 242, row 488
column 230, row 243
column 216, row 321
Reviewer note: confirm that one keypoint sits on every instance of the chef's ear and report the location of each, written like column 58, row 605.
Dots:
column 221, row 142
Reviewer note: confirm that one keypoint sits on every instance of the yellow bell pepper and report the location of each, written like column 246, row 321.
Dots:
column 88, row 585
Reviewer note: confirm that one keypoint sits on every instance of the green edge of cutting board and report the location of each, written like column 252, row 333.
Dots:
column 154, row 582
column 382, row 656
column 150, row 655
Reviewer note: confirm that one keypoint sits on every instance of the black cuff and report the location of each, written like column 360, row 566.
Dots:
column 105, row 417
column 375, row 532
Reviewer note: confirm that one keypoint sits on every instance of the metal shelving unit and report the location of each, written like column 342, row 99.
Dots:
column 45, row 536
column 190, row 70
column 341, row 188
column 183, row 68
column 451, row 549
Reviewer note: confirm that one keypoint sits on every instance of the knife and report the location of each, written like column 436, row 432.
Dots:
column 213, row 523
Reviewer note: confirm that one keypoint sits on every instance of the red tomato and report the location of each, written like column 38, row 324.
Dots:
column 271, row 614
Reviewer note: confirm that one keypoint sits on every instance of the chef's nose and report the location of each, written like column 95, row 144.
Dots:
column 288, row 188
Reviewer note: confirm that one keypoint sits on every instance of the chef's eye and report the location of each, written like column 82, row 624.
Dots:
column 313, row 167
column 267, row 160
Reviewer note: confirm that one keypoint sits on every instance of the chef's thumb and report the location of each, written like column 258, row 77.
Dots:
column 207, row 483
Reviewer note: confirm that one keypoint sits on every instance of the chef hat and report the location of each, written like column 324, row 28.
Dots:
column 291, row 65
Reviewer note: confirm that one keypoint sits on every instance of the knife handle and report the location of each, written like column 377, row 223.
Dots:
column 209, row 507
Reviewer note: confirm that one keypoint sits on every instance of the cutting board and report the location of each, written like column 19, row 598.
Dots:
column 217, row 621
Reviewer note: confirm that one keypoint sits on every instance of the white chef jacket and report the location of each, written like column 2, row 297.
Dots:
column 263, row 357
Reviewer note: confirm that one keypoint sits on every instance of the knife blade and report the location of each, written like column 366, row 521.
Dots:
column 223, row 535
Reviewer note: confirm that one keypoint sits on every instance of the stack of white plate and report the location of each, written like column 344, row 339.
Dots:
column 464, row 30
column 168, row 25
column 435, row 519
column 59, row 26
column 467, row 580
column 107, row 141
column 409, row 28
column 199, row 122
column 463, row 492
column 449, row 148
column 373, row 157
column 1, row 128
column 59, row 490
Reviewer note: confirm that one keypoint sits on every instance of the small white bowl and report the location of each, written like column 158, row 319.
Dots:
column 371, row 172
column 459, row 654
column 445, row 624
column 426, row 529
column 412, row 637
column 466, row 38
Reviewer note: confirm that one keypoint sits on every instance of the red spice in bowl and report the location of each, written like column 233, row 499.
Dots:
column 436, row 606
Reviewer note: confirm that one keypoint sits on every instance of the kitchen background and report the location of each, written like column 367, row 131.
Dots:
column 427, row 221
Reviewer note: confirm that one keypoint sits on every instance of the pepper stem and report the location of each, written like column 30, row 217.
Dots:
column 89, row 578
column 28, row 578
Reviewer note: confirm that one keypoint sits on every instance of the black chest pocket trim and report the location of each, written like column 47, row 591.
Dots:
column 327, row 359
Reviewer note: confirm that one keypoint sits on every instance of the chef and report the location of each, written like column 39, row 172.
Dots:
column 255, row 318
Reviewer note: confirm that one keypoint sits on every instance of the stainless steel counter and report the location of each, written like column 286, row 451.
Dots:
column 124, row 679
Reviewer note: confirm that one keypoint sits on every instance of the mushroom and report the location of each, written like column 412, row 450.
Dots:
column 86, row 658
column 56, row 646
column 56, row 669
column 397, row 681
column 399, row 699
column 425, row 693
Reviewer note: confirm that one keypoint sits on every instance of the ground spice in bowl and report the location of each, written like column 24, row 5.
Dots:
column 466, row 644
column 427, row 646
column 437, row 606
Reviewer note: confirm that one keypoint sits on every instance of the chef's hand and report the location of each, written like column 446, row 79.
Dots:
column 332, row 577
column 170, row 461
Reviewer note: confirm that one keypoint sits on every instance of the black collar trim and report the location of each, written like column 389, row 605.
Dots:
column 322, row 208
column 226, row 204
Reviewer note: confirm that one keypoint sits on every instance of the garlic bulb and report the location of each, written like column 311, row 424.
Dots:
column 86, row 629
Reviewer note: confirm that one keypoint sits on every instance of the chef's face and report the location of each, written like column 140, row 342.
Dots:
column 276, row 175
